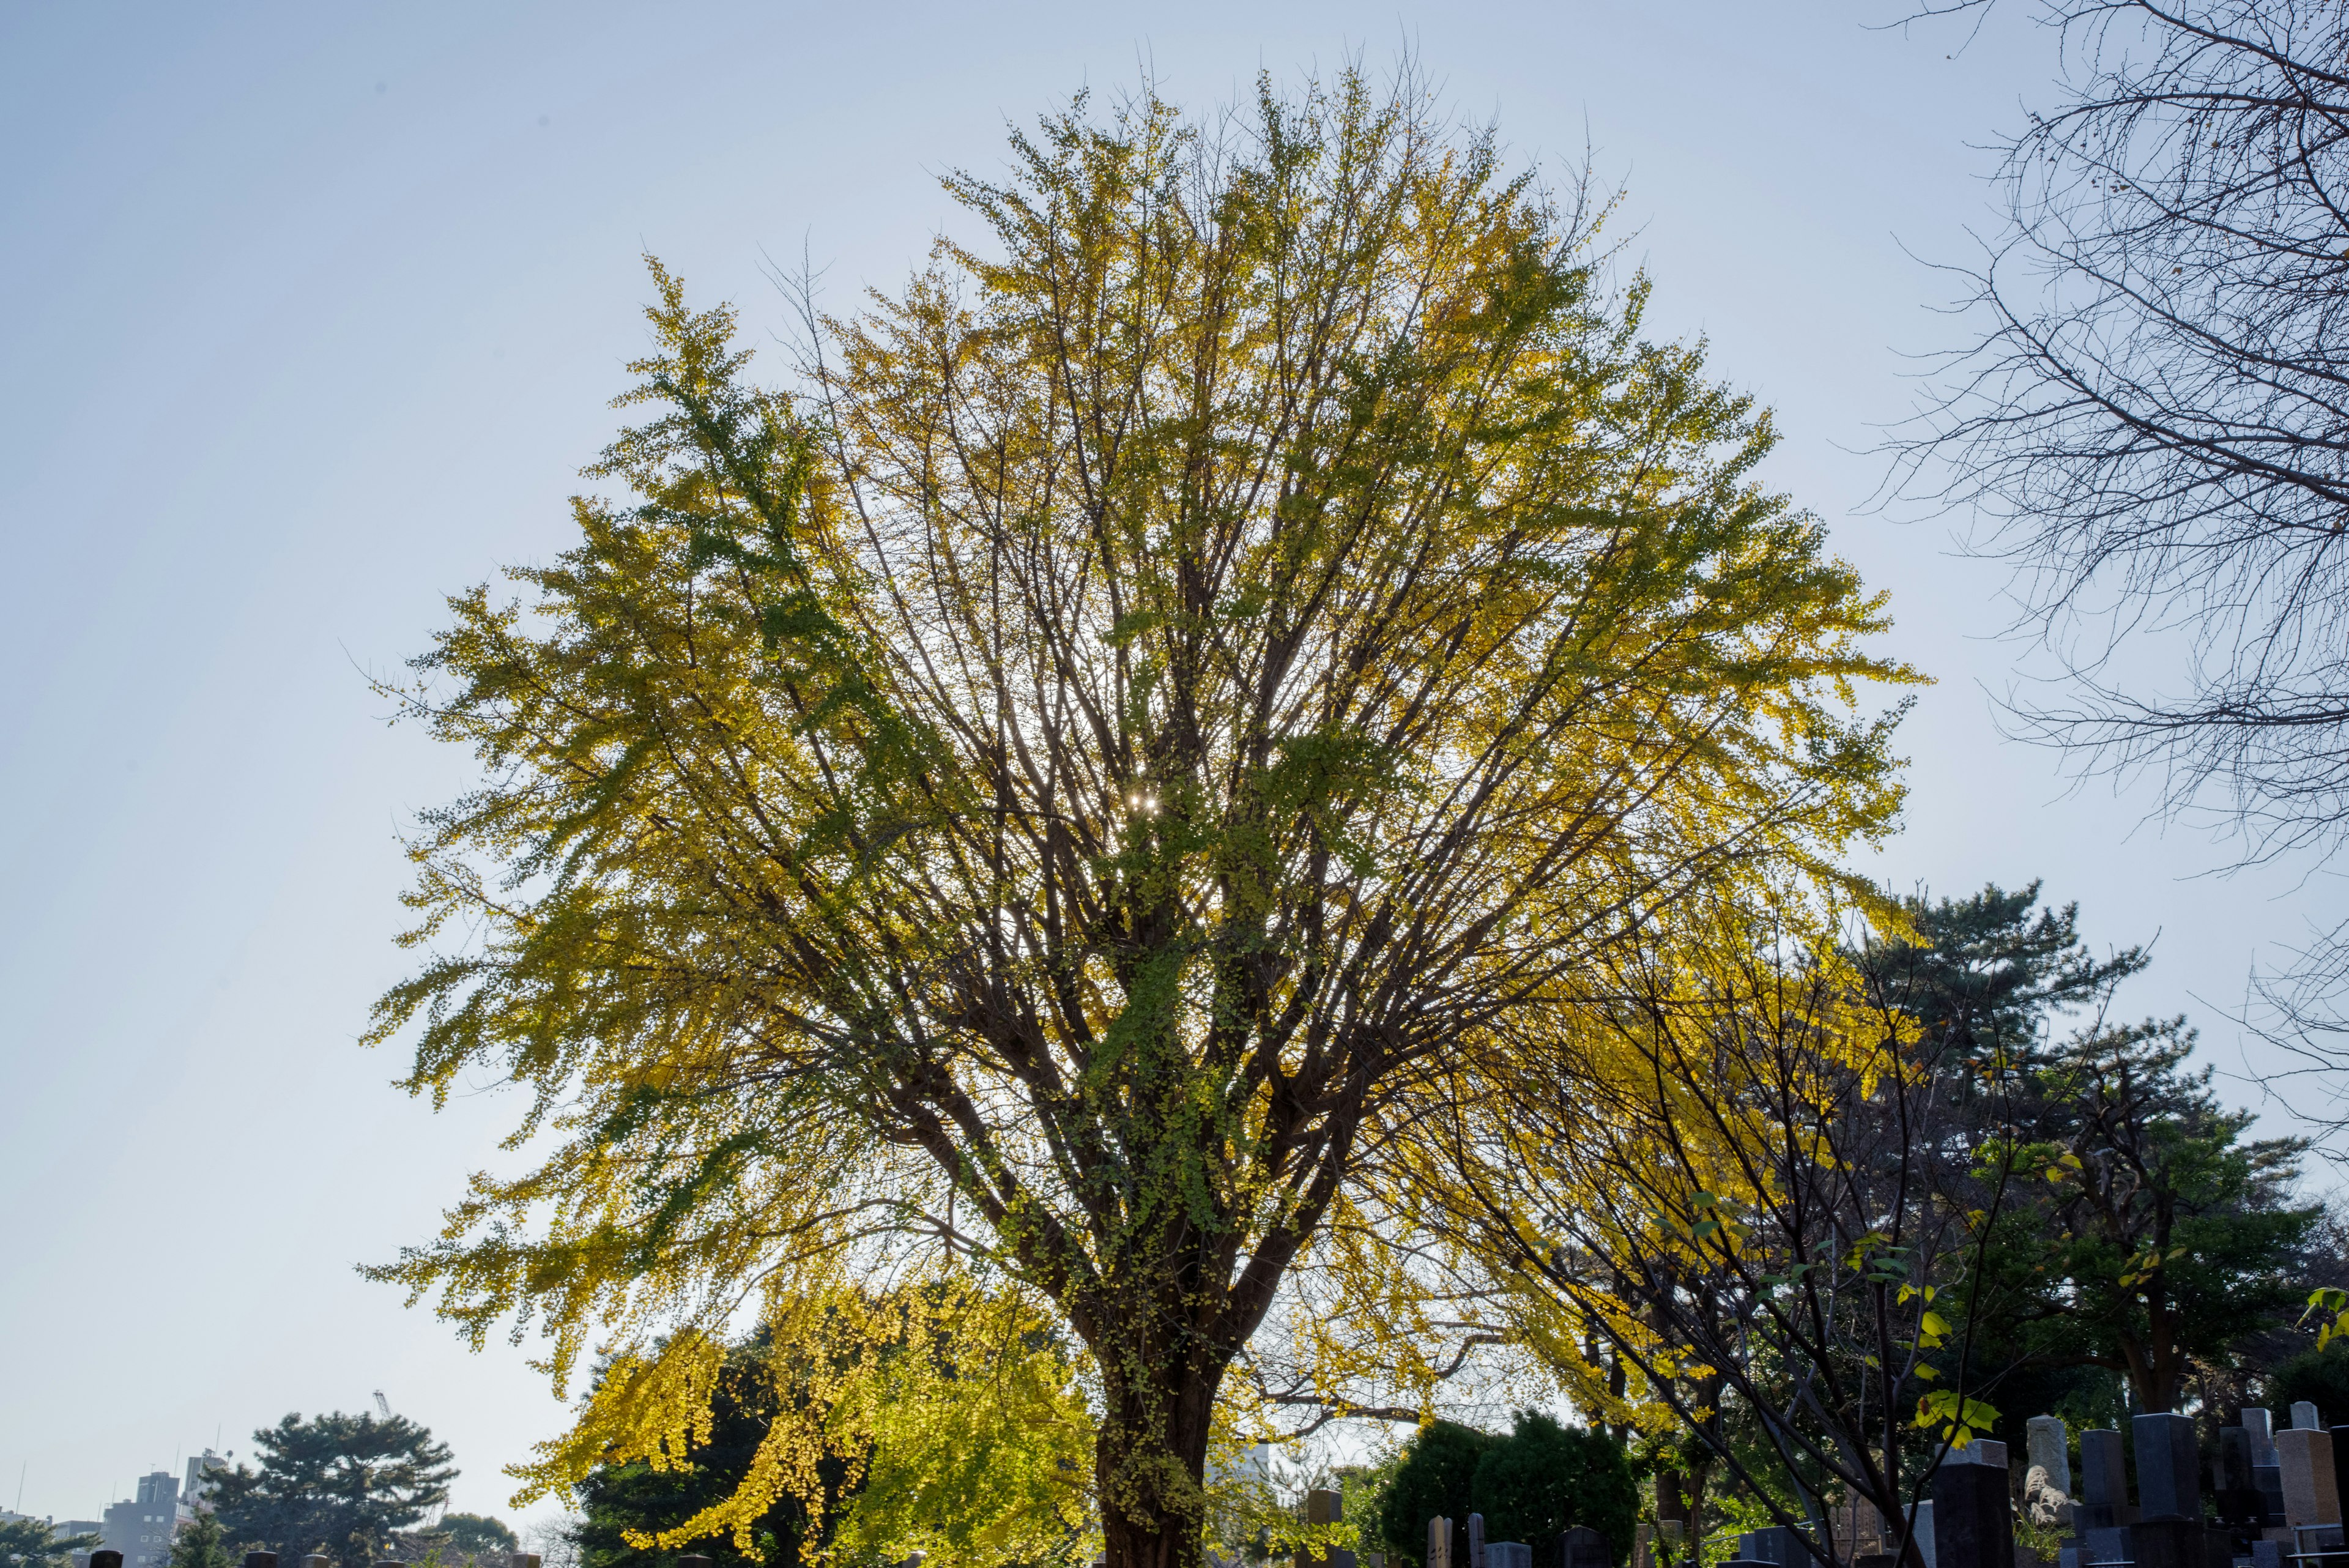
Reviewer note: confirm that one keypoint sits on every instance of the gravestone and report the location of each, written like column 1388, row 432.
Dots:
column 2256, row 1422
column 1777, row 1545
column 2105, row 1545
column 2168, row 1471
column 1508, row 1554
column 318, row 1560
column 1983, row 1451
column 695, row 1563
column 1475, row 1541
column 2310, row 1494
column 1439, row 1543
column 2266, row 1554
column 1922, row 1528
column 2305, row 1417
column 105, row 1557
column 2045, row 1444
column 1583, row 1547
column 1323, row 1506
column 1855, row 1529
column 2104, row 1481
column 252, row 1560
column 2239, row 1499
column 1973, row 1527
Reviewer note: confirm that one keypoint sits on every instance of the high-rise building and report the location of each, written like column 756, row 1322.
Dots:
column 198, row 1485
column 141, row 1529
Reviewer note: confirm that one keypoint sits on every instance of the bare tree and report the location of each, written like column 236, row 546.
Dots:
column 2152, row 425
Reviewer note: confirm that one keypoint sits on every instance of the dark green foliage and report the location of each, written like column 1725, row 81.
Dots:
column 1545, row 1477
column 2139, row 1231
column 477, row 1535
column 634, row 1496
column 202, row 1544
column 2319, row 1377
column 1435, row 1477
column 336, row 1484
column 31, row 1543
column 1987, row 972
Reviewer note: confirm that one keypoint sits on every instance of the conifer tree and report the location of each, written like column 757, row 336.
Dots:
column 201, row 1544
column 334, row 1484
column 33, row 1543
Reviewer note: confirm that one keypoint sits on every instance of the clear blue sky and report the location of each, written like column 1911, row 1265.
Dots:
column 311, row 316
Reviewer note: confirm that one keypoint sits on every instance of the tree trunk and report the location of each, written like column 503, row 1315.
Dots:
column 1150, row 1460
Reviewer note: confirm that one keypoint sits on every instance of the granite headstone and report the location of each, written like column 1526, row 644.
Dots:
column 2310, row 1494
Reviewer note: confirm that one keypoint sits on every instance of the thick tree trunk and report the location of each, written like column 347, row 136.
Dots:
column 1149, row 1462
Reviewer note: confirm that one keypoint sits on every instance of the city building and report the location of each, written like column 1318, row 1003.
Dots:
column 141, row 1529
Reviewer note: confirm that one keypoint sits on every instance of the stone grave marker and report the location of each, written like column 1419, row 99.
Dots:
column 1583, row 1547
column 2239, row 1499
column 1439, row 1543
column 2305, row 1417
column 2104, row 1481
column 2045, row 1444
column 1972, row 1525
column 1475, row 1541
column 2169, row 1470
column 2310, row 1493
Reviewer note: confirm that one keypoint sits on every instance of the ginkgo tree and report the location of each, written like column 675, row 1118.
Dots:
column 1035, row 800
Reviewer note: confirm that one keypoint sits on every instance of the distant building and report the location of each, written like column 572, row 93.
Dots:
column 198, row 1485
column 141, row 1530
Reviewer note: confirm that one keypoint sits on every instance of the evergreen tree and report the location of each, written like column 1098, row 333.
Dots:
column 2151, row 1233
column 334, row 1484
column 1438, row 1469
column 202, row 1544
column 1984, row 973
column 474, row 1536
column 2164, row 1236
column 33, row 1543
column 1545, row 1478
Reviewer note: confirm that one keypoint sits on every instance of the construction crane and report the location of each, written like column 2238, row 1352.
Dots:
column 383, row 1404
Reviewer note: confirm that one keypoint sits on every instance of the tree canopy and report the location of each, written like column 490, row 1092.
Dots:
column 334, row 1484
column 1048, row 793
column 34, row 1543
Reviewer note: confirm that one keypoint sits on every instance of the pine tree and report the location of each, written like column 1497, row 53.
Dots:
column 334, row 1484
column 32, row 1544
column 202, row 1544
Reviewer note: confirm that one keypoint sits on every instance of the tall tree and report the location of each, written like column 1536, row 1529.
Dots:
column 201, row 1544
column 1056, row 795
column 336, row 1484
column 2165, row 1236
column 2149, row 426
